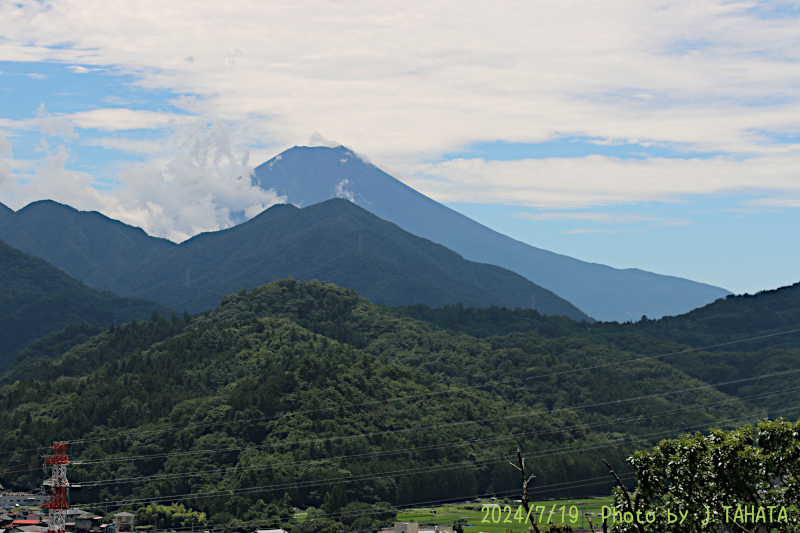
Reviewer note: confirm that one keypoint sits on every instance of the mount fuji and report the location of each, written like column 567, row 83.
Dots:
column 309, row 175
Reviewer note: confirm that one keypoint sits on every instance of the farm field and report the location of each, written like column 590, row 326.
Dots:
column 480, row 519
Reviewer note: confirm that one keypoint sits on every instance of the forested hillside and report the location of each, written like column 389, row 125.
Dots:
column 729, row 340
column 335, row 241
column 338, row 242
column 306, row 393
column 37, row 298
column 88, row 246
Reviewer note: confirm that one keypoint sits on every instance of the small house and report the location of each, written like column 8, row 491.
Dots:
column 124, row 521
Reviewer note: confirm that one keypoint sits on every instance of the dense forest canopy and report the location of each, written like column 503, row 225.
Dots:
column 36, row 299
column 304, row 394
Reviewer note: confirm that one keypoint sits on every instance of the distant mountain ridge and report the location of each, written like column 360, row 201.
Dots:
column 5, row 212
column 310, row 175
column 334, row 241
column 88, row 246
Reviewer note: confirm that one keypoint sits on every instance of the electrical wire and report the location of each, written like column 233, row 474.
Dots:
column 423, row 469
column 449, row 390
column 444, row 424
column 653, row 414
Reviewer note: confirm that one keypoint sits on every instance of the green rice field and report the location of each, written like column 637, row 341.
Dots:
column 507, row 514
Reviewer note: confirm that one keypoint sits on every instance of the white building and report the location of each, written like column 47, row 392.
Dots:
column 413, row 527
column 23, row 499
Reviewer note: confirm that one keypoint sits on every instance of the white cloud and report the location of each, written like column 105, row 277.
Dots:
column 131, row 146
column 5, row 147
column 588, row 230
column 116, row 119
column 317, row 139
column 406, row 83
column 342, row 192
column 604, row 218
column 5, row 154
column 599, row 180
column 120, row 100
column 775, row 201
column 50, row 126
column 205, row 187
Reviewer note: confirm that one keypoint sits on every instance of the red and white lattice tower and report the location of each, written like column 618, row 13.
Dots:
column 58, row 488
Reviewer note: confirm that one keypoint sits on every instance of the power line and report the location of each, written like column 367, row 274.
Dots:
column 444, row 424
column 432, row 446
column 449, row 390
column 428, row 427
column 425, row 469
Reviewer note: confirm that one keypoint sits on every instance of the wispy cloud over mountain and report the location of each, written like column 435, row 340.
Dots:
column 193, row 183
column 618, row 101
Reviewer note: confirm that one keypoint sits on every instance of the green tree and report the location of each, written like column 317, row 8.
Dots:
column 405, row 492
column 335, row 500
column 724, row 480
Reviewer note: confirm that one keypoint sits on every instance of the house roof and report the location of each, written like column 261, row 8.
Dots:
column 26, row 522
column 123, row 513
column 32, row 529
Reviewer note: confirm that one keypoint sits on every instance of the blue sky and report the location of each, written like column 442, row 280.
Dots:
column 663, row 136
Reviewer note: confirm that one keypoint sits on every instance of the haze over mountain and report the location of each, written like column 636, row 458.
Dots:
column 5, row 212
column 335, row 241
column 310, row 175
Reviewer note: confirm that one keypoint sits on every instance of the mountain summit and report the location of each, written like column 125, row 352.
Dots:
column 334, row 241
column 311, row 175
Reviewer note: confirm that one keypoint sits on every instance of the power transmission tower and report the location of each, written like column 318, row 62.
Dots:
column 58, row 488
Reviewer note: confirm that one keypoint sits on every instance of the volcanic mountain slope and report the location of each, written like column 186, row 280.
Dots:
column 310, row 175
column 334, row 241
column 36, row 298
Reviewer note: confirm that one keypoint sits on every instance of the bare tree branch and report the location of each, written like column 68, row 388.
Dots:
column 591, row 526
column 525, row 482
column 631, row 509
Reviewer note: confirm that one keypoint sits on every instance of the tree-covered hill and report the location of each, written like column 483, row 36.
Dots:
column 733, row 318
column 36, row 298
column 334, row 241
column 726, row 326
column 88, row 246
column 304, row 392
column 727, row 319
